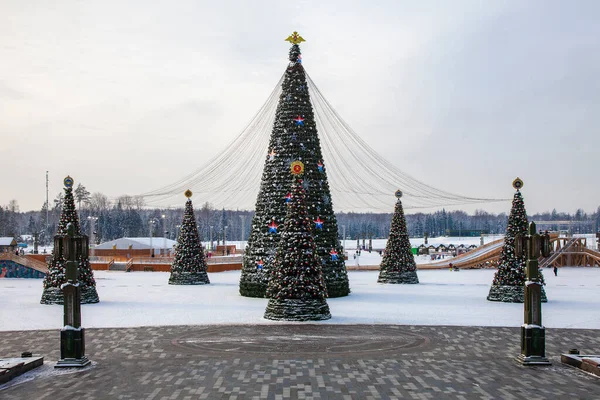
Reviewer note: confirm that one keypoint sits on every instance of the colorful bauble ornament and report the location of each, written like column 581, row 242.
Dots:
column 299, row 121
column 320, row 166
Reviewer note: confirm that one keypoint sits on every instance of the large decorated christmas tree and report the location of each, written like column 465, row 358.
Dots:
column 56, row 275
column 189, row 265
column 296, row 290
column 509, row 281
column 294, row 137
column 398, row 264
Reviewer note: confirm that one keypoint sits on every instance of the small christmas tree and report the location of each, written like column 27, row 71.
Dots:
column 189, row 265
column 296, row 289
column 55, row 277
column 509, row 281
column 294, row 137
column 398, row 264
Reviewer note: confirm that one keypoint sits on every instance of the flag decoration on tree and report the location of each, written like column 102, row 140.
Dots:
column 509, row 280
column 56, row 275
column 295, row 140
column 189, row 264
column 398, row 264
column 296, row 290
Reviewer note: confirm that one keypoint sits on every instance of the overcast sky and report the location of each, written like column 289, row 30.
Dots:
column 129, row 96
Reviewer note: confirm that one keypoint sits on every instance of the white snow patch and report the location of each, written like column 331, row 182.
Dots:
column 441, row 298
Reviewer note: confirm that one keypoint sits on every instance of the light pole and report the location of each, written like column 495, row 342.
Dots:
column 533, row 334
column 150, row 223
column 210, row 238
column 164, row 224
column 344, row 240
column 225, row 238
column 92, row 221
column 243, row 218
column 177, row 231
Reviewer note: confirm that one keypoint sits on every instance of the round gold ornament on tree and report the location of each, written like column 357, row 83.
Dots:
column 68, row 181
column 297, row 167
column 518, row 183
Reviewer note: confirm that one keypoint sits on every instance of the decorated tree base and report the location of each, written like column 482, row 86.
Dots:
column 398, row 277
column 337, row 289
column 189, row 278
column 89, row 295
column 297, row 310
column 510, row 294
column 54, row 295
column 258, row 289
column 253, row 289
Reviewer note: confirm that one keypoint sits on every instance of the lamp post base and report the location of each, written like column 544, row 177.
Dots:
column 533, row 345
column 72, row 362
column 533, row 360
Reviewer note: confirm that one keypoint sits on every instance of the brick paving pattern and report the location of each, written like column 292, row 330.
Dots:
column 303, row 361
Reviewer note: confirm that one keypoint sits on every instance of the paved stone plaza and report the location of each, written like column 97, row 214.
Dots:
column 303, row 361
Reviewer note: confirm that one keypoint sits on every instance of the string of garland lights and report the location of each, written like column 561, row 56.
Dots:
column 360, row 178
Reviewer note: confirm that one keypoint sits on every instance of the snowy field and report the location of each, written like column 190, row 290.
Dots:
column 442, row 298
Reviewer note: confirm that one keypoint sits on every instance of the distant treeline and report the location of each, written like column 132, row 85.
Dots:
column 128, row 217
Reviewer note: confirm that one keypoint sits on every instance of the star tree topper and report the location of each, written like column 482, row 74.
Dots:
column 295, row 38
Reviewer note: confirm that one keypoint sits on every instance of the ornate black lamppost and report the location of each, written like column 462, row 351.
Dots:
column 533, row 336
column 72, row 340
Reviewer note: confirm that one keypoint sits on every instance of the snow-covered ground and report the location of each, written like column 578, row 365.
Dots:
column 442, row 298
